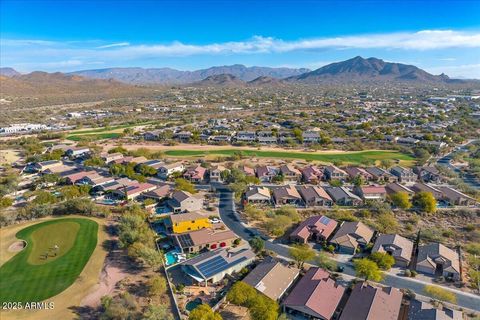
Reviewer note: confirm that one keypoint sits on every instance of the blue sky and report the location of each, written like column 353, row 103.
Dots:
column 439, row 36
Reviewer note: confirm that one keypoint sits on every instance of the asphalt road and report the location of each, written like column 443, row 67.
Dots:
column 230, row 218
column 468, row 178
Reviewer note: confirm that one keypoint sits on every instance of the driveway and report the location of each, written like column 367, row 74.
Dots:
column 231, row 219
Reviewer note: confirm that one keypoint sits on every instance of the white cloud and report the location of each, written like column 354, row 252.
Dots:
column 467, row 71
column 120, row 44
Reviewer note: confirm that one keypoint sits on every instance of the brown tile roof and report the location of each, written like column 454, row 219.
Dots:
column 316, row 224
column 400, row 246
column 316, row 293
column 353, row 228
column 371, row 303
column 272, row 277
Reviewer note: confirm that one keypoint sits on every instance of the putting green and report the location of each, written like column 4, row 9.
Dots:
column 55, row 255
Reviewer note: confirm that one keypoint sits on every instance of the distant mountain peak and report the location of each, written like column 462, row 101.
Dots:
column 359, row 69
column 8, row 72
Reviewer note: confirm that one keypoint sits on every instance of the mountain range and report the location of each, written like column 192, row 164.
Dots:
column 172, row 76
column 355, row 70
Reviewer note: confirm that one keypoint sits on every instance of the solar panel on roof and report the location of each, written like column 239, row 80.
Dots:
column 217, row 265
column 185, row 240
column 324, row 220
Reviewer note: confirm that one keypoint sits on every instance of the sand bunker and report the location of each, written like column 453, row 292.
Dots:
column 17, row 246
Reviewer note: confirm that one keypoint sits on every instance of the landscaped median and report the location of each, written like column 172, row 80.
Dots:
column 55, row 254
column 353, row 157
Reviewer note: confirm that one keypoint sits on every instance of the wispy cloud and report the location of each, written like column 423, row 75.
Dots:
column 113, row 45
column 46, row 53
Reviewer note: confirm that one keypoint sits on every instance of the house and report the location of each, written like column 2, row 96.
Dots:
column 407, row 141
column 455, row 197
column 183, row 135
column 315, row 296
column 286, row 195
column 379, row 174
column 165, row 170
column 247, row 171
column 44, row 165
column 350, row 236
column 153, row 135
column 214, row 265
column 267, row 140
column 372, row 192
column 246, row 136
column 185, row 222
column 63, row 170
column 111, row 157
column 266, row 173
column 311, row 137
column 95, row 179
column 335, row 173
column 420, row 310
column 155, row 164
column 183, row 201
column 258, row 195
column 428, row 174
column 290, row 173
column 206, row 238
column 316, row 228
column 422, row 187
column 343, row 197
column 438, row 260
column 314, row 196
column 312, row 174
column 160, row 193
column 395, row 187
column 354, row 172
column 404, row 175
column 398, row 247
column 215, row 173
column 132, row 191
column 75, row 152
column 272, row 277
column 367, row 302
column 73, row 178
column 196, row 174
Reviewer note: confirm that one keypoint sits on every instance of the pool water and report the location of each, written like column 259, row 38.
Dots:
column 193, row 304
column 162, row 210
column 170, row 258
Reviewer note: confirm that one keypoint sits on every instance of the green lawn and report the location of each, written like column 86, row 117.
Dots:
column 30, row 276
column 346, row 157
column 108, row 135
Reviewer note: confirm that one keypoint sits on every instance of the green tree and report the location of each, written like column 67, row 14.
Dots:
column 440, row 293
column 301, row 253
column 425, row 202
column 383, row 260
column 204, row 312
column 44, row 197
column 257, row 244
column 116, row 169
column 288, row 211
column 70, row 192
column 278, row 225
column 94, row 162
column 5, row 202
column 253, row 212
column 158, row 312
column 401, row 200
column 325, row 262
column 185, row 185
column 386, row 223
column 367, row 269
column 146, row 170
column 157, row 286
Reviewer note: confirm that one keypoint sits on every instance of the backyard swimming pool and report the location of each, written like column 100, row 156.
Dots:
column 193, row 304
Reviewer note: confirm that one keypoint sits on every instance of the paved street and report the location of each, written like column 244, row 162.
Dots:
column 230, row 218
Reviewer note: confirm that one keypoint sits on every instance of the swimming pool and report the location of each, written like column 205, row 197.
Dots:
column 192, row 304
column 162, row 210
column 171, row 257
